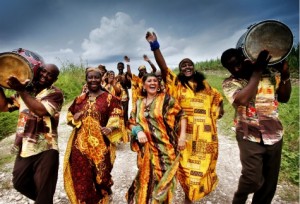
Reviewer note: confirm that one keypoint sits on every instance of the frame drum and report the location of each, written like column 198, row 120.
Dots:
column 269, row 35
column 16, row 65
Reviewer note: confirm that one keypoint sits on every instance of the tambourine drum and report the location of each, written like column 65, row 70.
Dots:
column 20, row 63
column 270, row 35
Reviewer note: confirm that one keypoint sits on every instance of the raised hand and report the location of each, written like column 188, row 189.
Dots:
column 126, row 58
column 16, row 85
column 283, row 68
column 152, row 39
column 146, row 58
column 151, row 36
column 262, row 60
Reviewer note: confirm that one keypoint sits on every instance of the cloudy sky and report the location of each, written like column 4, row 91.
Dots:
column 96, row 32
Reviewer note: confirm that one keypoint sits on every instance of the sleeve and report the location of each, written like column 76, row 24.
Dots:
column 172, row 112
column 135, row 89
column 171, row 83
column 135, row 146
column 53, row 102
column 70, row 116
column 115, row 119
column 230, row 88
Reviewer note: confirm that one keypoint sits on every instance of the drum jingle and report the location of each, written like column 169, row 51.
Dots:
column 270, row 35
column 20, row 63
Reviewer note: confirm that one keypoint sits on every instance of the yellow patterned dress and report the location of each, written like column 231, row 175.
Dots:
column 197, row 172
column 90, row 155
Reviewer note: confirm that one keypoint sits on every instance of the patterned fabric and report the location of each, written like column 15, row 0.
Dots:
column 158, row 159
column 37, row 134
column 88, row 149
column 259, row 119
column 126, row 84
column 111, row 89
column 197, row 172
column 136, row 88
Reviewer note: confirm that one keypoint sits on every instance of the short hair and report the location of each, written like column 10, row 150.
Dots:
column 228, row 54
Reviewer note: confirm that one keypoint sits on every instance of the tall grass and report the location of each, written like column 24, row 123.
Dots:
column 70, row 81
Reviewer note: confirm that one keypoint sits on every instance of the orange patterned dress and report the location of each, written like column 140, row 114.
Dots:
column 158, row 159
column 90, row 155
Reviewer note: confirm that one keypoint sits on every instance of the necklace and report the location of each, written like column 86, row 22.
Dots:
column 93, row 96
column 147, row 106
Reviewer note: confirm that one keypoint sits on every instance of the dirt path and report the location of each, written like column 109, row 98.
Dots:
column 124, row 171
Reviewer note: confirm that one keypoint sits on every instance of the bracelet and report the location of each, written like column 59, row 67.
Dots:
column 135, row 130
column 284, row 81
column 154, row 45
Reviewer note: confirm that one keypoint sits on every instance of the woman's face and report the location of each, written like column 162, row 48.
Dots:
column 187, row 68
column 151, row 85
column 111, row 75
column 93, row 80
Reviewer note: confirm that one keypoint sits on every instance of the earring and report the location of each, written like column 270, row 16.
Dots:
column 143, row 90
column 158, row 90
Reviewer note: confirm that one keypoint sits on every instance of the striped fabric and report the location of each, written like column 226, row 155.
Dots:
column 158, row 159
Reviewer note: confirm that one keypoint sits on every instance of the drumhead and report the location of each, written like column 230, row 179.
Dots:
column 16, row 65
column 269, row 35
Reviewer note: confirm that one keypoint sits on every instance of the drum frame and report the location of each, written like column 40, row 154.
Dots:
column 10, row 64
column 265, row 36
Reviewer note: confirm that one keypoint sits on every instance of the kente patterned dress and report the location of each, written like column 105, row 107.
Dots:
column 157, row 159
column 90, row 155
column 197, row 172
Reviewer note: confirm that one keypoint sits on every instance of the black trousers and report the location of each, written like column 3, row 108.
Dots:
column 36, row 176
column 125, row 110
column 260, row 170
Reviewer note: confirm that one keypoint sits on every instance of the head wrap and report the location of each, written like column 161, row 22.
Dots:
column 102, row 67
column 142, row 67
column 90, row 69
column 184, row 61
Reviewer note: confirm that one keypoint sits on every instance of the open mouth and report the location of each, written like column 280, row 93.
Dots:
column 188, row 72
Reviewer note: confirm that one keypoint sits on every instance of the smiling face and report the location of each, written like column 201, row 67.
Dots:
column 120, row 67
column 186, row 67
column 93, row 79
column 48, row 75
column 151, row 85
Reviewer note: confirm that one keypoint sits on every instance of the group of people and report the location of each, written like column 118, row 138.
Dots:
column 172, row 126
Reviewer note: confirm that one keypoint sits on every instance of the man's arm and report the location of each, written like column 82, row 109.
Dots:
column 146, row 58
column 127, row 63
column 285, row 88
column 244, row 96
column 32, row 103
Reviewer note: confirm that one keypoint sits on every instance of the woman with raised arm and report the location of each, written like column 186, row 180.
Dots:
column 203, row 105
